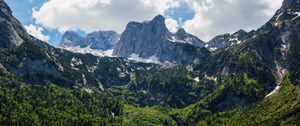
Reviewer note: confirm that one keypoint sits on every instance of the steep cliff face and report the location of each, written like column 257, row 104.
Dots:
column 275, row 43
column 11, row 30
column 99, row 40
column 152, row 38
column 185, row 37
column 70, row 39
column 37, row 62
column 283, row 32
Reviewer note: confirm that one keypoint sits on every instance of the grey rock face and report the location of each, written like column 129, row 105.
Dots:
column 70, row 39
column 283, row 41
column 153, row 39
column 100, row 40
column 11, row 30
column 181, row 34
column 33, row 69
column 227, row 40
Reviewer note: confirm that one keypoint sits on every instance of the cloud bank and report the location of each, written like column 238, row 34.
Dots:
column 92, row 15
column 214, row 17
column 37, row 32
column 211, row 17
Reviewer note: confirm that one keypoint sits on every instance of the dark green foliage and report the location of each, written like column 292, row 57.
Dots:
column 282, row 108
column 23, row 104
column 175, row 87
column 134, row 116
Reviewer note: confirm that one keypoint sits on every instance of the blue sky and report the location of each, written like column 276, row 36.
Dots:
column 22, row 10
column 204, row 18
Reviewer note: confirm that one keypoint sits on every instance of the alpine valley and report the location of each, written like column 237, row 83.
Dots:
column 149, row 76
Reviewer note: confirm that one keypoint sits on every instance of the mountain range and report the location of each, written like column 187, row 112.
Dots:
column 244, row 78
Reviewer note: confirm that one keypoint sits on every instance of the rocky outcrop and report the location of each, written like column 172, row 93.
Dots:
column 11, row 30
column 227, row 40
column 283, row 35
column 153, row 39
column 182, row 35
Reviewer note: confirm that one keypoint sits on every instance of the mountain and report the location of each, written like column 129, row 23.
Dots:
column 11, row 30
column 182, row 36
column 227, row 40
column 255, row 82
column 38, row 62
column 264, row 64
column 152, row 39
column 99, row 40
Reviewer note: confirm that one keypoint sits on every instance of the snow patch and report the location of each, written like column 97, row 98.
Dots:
column 189, row 68
column 151, row 59
column 280, row 71
column 84, row 80
column 92, row 69
column 75, row 62
column 167, row 65
column 86, row 50
column 274, row 91
column 174, row 40
column 206, row 45
column 277, row 18
column 100, row 86
column 197, row 79
column 213, row 49
column 88, row 90
column 298, row 15
column 234, row 41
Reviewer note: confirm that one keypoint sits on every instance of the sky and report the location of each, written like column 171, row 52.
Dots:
column 49, row 19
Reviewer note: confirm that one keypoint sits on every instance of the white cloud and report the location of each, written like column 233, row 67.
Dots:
column 91, row 15
column 214, row 17
column 172, row 25
column 37, row 32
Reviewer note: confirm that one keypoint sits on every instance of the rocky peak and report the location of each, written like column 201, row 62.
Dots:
column 227, row 39
column 240, row 32
column 181, row 34
column 289, row 11
column 291, row 4
column 5, row 10
column 181, row 31
column 70, row 39
column 158, row 25
column 99, row 40
column 159, row 20
column 71, row 33
column 11, row 30
column 153, row 39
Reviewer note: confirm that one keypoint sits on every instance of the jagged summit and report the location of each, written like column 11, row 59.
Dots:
column 159, row 18
column 98, row 40
column 227, row 40
column 181, row 31
column 291, row 4
column 241, row 31
column 153, row 39
column 181, row 34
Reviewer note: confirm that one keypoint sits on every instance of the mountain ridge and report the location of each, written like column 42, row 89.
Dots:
column 98, row 40
column 152, row 38
column 257, row 79
column 11, row 30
